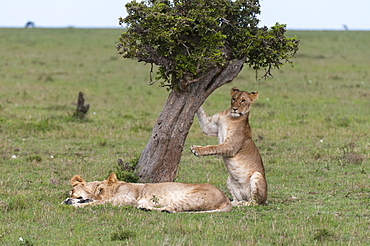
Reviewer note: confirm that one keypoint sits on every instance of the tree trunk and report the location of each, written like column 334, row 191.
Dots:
column 160, row 158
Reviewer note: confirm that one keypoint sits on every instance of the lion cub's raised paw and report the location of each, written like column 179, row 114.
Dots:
column 194, row 149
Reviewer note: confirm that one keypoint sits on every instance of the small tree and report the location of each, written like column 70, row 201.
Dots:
column 198, row 45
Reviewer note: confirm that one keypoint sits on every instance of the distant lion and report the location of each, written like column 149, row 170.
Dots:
column 169, row 197
column 246, row 181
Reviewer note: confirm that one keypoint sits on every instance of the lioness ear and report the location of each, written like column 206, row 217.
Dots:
column 233, row 91
column 112, row 179
column 75, row 180
column 253, row 96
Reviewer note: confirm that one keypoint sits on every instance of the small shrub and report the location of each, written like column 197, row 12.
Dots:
column 126, row 171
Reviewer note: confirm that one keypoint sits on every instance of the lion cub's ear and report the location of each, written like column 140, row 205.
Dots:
column 75, row 180
column 112, row 179
column 253, row 95
column 233, row 91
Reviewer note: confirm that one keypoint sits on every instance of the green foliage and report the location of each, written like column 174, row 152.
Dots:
column 187, row 38
column 270, row 49
column 126, row 171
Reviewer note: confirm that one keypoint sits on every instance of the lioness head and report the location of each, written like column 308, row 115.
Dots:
column 241, row 101
column 105, row 189
column 81, row 191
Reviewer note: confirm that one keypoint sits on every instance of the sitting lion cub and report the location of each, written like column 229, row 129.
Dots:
column 170, row 197
column 246, row 181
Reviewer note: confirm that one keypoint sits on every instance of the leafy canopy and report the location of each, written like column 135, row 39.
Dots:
column 186, row 38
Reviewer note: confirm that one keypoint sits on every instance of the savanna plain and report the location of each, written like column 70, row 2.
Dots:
column 311, row 124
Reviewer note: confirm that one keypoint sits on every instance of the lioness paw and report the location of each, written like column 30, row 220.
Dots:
column 79, row 205
column 145, row 209
column 167, row 211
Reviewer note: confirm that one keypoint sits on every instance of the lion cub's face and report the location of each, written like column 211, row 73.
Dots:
column 241, row 102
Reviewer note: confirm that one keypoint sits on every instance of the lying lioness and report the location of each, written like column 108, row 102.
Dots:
column 246, row 181
column 169, row 197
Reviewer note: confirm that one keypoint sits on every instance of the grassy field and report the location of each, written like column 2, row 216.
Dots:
column 311, row 125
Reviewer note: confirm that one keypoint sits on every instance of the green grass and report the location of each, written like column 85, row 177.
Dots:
column 311, row 125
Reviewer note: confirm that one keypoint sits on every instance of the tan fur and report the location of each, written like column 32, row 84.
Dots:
column 170, row 197
column 82, row 189
column 246, row 181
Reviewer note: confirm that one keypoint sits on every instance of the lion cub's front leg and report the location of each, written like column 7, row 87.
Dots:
column 197, row 150
column 221, row 149
column 208, row 124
